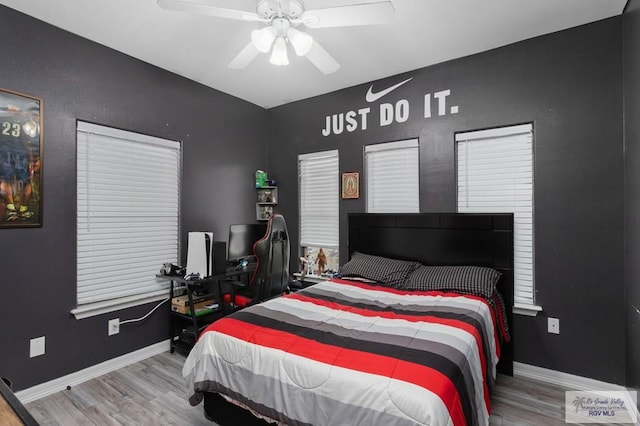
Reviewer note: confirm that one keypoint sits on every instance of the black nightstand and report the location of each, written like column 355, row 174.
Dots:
column 306, row 281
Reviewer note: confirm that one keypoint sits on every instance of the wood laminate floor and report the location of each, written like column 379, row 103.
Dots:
column 151, row 392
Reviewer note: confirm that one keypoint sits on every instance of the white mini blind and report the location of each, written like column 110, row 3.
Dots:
column 318, row 177
column 393, row 177
column 128, row 191
column 495, row 175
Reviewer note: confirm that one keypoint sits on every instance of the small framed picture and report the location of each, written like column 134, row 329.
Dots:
column 20, row 160
column 263, row 212
column 350, row 185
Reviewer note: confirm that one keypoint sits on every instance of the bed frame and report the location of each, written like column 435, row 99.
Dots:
column 429, row 238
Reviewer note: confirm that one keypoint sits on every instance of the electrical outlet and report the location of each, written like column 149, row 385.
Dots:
column 114, row 326
column 553, row 325
column 36, row 347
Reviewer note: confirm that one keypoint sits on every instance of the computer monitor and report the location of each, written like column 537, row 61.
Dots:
column 241, row 240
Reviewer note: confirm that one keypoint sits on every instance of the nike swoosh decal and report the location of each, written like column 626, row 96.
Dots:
column 372, row 97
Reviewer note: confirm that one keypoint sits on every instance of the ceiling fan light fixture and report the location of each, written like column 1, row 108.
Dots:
column 279, row 16
column 263, row 38
column 279, row 54
column 300, row 41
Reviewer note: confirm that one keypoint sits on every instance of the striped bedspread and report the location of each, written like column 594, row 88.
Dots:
column 345, row 353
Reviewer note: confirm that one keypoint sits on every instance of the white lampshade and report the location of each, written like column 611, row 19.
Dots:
column 279, row 54
column 263, row 39
column 300, row 41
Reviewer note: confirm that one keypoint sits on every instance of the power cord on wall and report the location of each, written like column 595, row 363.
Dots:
column 145, row 316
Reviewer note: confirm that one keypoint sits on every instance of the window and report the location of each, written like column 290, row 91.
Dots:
column 392, row 177
column 495, row 175
column 128, row 188
column 319, row 192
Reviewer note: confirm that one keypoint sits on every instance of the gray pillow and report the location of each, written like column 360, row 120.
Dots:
column 478, row 280
column 384, row 270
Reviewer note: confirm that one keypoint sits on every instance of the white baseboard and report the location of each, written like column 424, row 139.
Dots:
column 569, row 381
column 44, row 389
column 559, row 378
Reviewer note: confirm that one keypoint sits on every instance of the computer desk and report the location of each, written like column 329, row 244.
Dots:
column 186, row 327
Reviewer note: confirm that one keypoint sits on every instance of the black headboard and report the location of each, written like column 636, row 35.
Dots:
column 443, row 239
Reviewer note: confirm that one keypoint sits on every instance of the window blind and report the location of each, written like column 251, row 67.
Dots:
column 318, row 177
column 495, row 175
column 392, row 177
column 128, row 189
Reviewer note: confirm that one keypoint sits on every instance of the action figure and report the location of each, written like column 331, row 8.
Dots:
column 321, row 260
column 304, row 269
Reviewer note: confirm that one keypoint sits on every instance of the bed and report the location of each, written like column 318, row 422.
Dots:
column 358, row 351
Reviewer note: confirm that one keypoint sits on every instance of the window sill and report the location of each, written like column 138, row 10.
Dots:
column 310, row 277
column 526, row 309
column 99, row 308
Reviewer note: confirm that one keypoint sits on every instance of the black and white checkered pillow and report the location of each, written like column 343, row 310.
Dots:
column 477, row 280
column 392, row 272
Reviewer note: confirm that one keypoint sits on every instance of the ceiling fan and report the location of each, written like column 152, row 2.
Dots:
column 281, row 18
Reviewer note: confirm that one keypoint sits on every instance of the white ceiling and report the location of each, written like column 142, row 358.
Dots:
column 422, row 33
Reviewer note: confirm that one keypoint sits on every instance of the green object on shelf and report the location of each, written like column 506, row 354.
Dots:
column 261, row 178
column 204, row 311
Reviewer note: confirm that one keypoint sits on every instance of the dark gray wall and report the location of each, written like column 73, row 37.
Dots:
column 631, row 69
column 223, row 144
column 568, row 84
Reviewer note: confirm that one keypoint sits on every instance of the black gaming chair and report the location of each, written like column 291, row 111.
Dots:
column 271, row 277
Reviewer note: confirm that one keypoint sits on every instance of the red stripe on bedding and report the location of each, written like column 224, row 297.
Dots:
column 365, row 362
column 391, row 315
column 405, row 292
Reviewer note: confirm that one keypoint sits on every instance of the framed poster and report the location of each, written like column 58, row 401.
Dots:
column 20, row 160
column 351, row 185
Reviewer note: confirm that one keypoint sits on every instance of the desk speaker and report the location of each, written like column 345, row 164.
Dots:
column 219, row 257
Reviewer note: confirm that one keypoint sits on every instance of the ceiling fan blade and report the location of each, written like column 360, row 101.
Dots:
column 204, row 9
column 346, row 16
column 245, row 57
column 321, row 59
